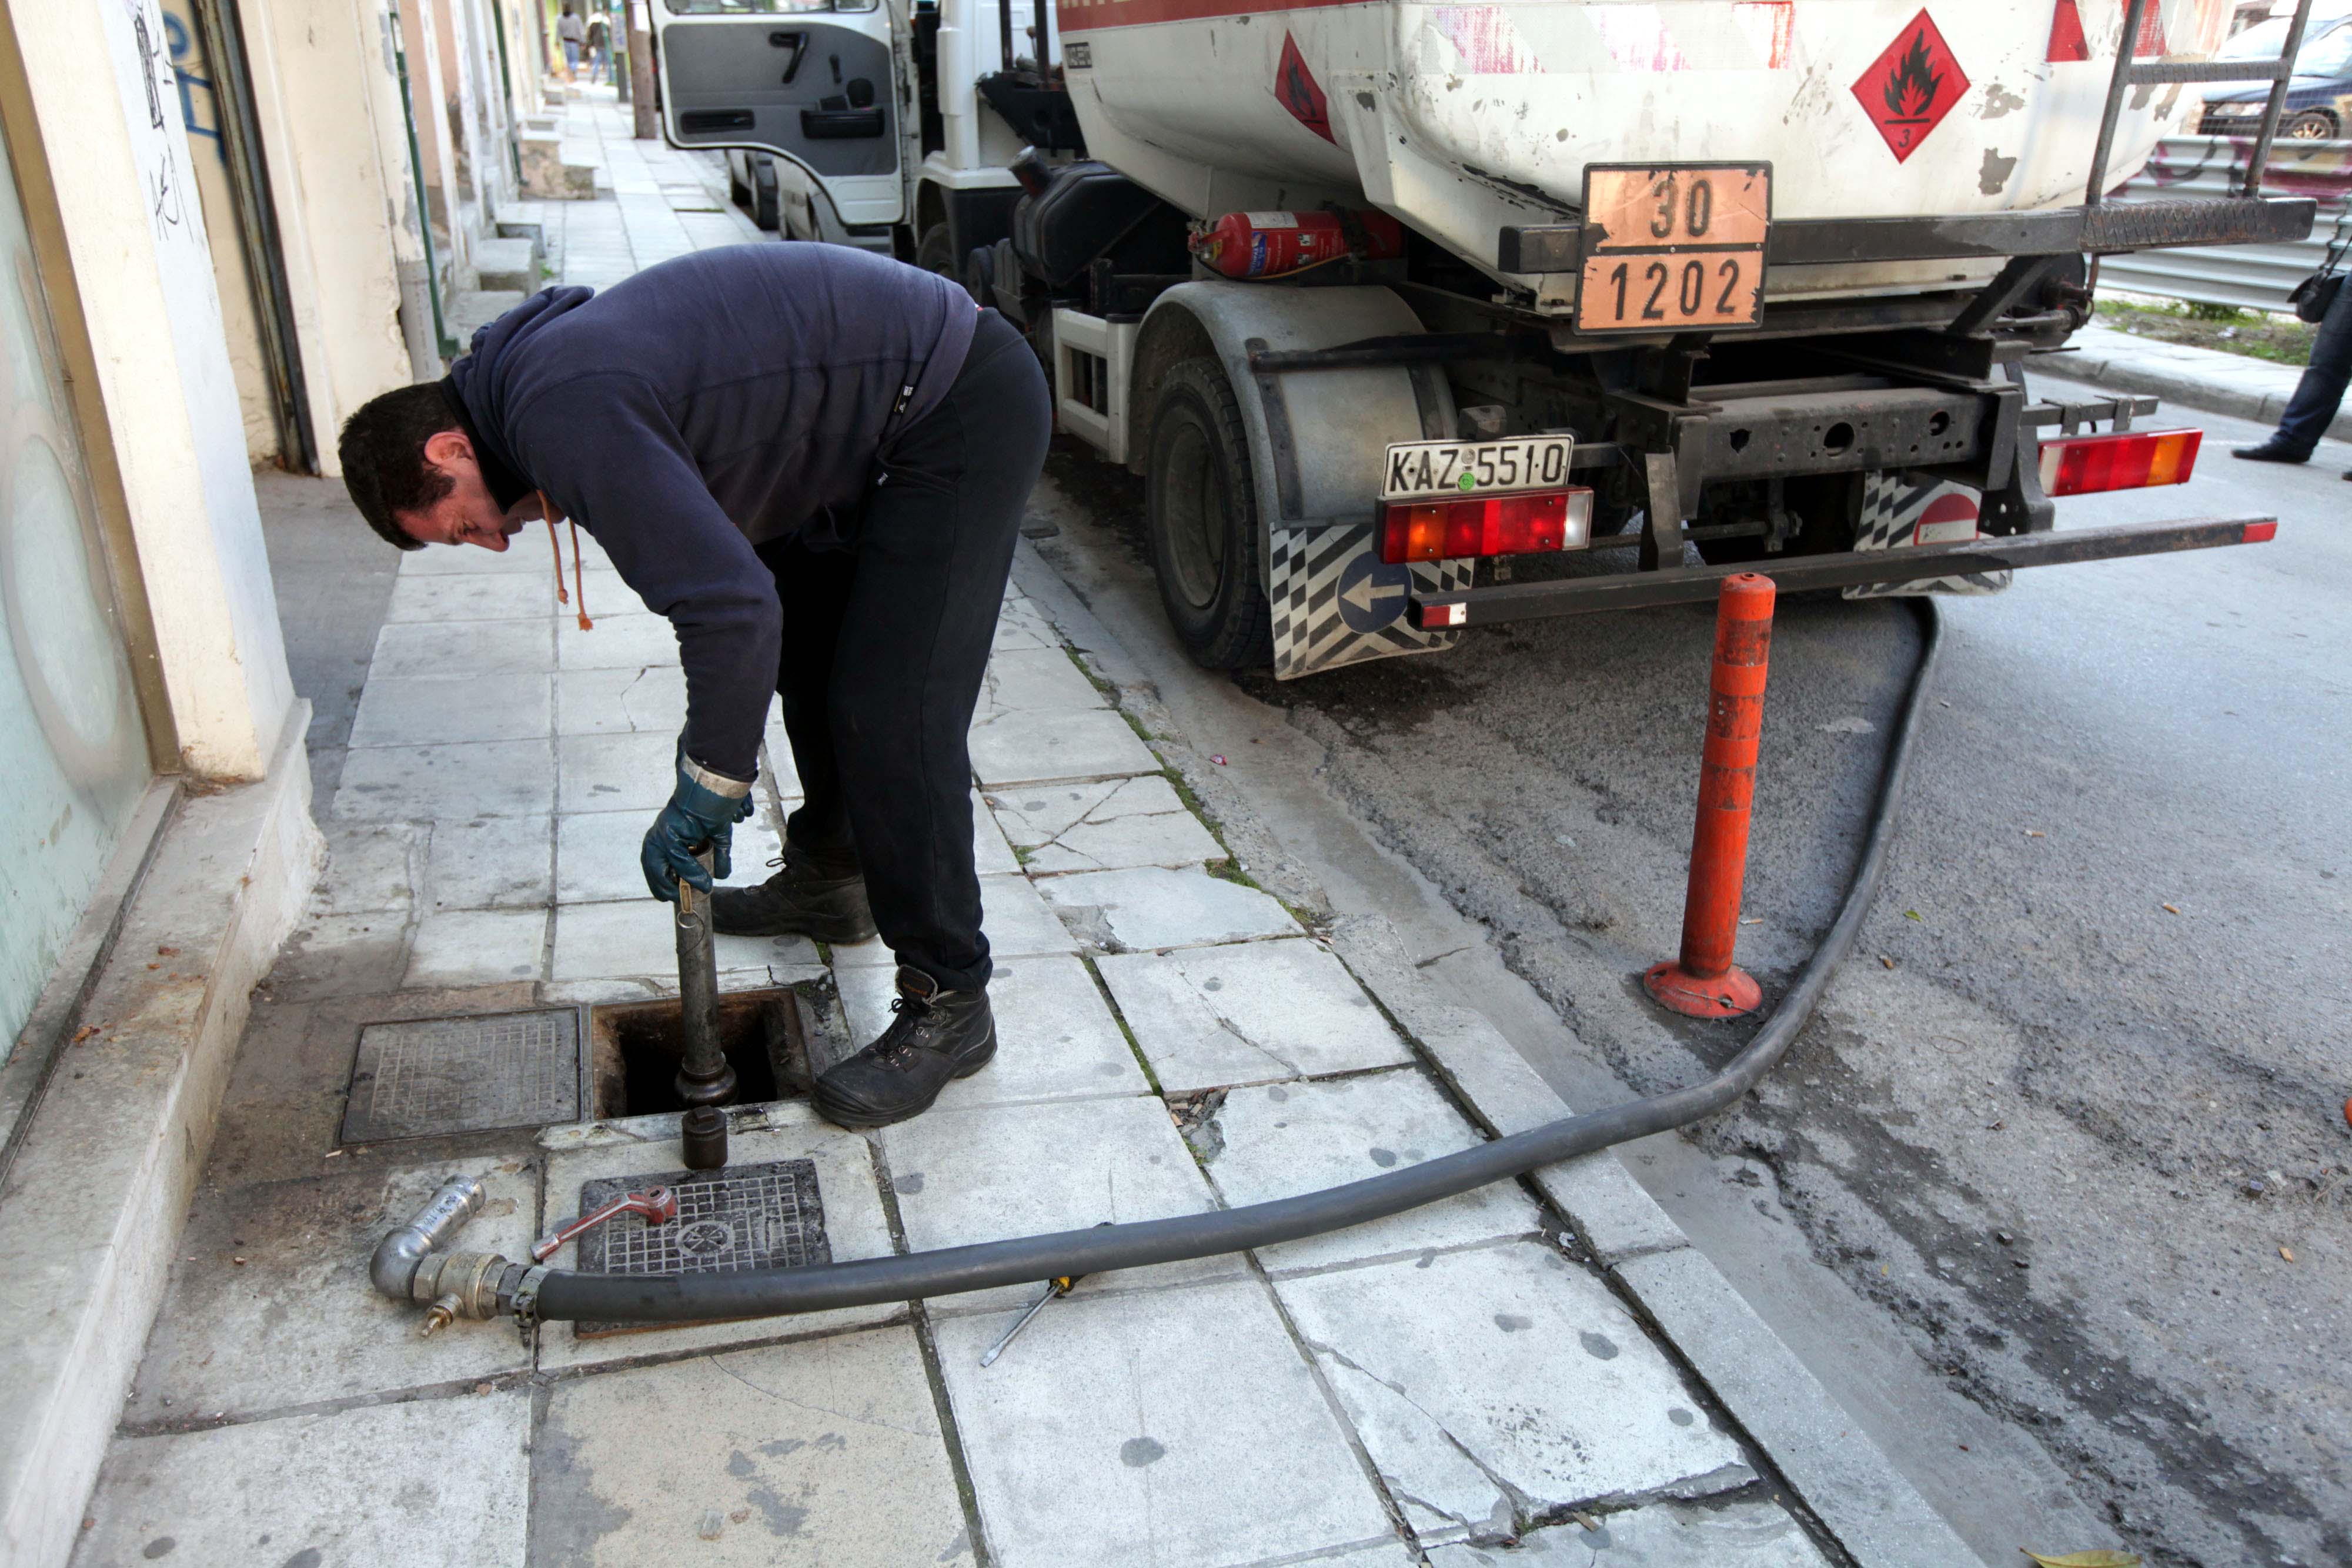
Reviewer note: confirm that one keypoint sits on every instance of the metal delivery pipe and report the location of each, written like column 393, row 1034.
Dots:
column 770, row 1292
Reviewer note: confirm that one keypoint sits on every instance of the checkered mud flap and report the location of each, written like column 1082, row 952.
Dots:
column 1335, row 602
column 1896, row 513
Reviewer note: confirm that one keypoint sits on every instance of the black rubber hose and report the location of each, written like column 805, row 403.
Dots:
column 771, row 1293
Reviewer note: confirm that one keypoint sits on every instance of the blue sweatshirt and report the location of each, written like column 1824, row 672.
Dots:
column 708, row 404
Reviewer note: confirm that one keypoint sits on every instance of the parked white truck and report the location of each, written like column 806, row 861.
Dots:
column 1420, row 317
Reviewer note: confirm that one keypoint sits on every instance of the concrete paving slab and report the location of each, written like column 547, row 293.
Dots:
column 616, row 772
column 1176, row 1428
column 297, row 1322
column 478, row 947
column 617, row 702
column 1741, row 1533
column 1170, row 839
column 991, row 855
column 1040, row 813
column 635, row 939
column 1034, row 680
column 412, row 648
column 396, row 711
column 614, row 642
column 1020, row 627
column 1031, row 747
column 1154, row 907
column 473, row 596
column 1056, row 1037
column 776, row 764
column 1495, row 1383
column 854, row 1225
column 608, row 592
column 1843, row 1477
column 1017, row 922
column 419, row 783
column 1281, row 1140
column 1247, row 1013
column 827, row 1452
column 596, row 854
column 370, row 866
column 432, row 1480
column 342, row 956
column 489, row 862
column 1106, row 825
column 1027, row 1170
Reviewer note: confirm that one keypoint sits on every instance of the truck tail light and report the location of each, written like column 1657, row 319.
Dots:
column 2126, row 460
column 1486, row 525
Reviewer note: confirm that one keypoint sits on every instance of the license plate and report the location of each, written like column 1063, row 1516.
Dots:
column 1426, row 470
column 1674, row 247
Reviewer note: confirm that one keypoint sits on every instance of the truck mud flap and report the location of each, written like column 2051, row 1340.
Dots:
column 1335, row 602
column 1897, row 513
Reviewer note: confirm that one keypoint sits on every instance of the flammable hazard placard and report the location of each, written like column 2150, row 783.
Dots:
column 1912, row 84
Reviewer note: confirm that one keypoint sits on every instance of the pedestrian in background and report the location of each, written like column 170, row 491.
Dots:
column 2321, row 391
column 575, row 33
column 600, row 46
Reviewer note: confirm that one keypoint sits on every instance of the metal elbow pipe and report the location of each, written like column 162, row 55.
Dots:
column 393, row 1270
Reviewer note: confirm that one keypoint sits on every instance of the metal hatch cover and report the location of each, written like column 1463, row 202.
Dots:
column 767, row 1216
column 422, row 1077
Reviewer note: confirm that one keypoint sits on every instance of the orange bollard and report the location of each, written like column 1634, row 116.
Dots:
column 1703, row 982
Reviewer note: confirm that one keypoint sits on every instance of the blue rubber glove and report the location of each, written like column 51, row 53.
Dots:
column 702, row 810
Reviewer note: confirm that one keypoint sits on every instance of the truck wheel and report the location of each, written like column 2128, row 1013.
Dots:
column 1201, row 510
column 767, row 209
column 935, row 252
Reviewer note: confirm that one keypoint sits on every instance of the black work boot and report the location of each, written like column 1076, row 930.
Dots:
column 936, row 1036
column 2270, row 451
column 818, row 895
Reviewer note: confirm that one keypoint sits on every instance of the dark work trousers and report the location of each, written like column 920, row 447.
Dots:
column 2317, row 395
column 886, row 643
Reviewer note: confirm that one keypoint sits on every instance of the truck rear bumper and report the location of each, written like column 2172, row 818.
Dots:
column 1676, row 585
column 2059, row 230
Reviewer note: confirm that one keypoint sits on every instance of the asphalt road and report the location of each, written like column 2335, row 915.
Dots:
column 2056, row 1191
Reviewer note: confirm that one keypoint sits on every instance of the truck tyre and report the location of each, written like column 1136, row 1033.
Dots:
column 767, row 208
column 935, row 252
column 1201, row 510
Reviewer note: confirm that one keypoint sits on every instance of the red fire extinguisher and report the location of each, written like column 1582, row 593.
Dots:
column 1276, row 244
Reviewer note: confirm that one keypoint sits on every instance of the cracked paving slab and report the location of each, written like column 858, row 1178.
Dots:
column 1494, row 1387
column 1163, row 1427
column 1152, row 907
column 1251, row 1013
column 1741, row 1533
column 1105, row 825
column 1280, row 1140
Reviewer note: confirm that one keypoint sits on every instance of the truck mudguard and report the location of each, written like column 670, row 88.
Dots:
column 1317, row 439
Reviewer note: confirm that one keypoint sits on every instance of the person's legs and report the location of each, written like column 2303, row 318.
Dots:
column 932, row 559
column 571, row 57
column 2320, row 391
column 819, row 892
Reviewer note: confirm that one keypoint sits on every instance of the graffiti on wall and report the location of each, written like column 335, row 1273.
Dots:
column 161, row 175
column 199, row 104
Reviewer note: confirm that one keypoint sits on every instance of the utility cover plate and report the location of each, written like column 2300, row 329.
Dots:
column 426, row 1078
column 744, row 1216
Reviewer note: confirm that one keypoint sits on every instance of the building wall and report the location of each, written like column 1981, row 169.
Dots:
column 200, row 114
column 102, row 87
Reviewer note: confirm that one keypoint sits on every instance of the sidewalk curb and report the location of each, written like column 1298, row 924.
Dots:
column 2202, row 379
column 1847, row 1483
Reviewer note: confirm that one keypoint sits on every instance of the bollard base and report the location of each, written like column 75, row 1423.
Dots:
column 1725, row 995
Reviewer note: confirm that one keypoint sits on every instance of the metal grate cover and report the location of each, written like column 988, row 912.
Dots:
column 430, row 1077
column 745, row 1217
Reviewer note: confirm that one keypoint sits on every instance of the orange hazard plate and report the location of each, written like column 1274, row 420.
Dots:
column 1674, row 247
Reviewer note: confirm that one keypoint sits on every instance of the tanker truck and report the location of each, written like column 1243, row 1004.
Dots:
column 1417, row 318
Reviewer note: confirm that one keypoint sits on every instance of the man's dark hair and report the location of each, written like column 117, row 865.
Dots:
column 383, row 450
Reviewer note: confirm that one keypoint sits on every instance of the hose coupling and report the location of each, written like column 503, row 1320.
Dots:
column 459, row 1285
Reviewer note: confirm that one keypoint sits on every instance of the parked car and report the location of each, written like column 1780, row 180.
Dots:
column 752, row 185
column 2318, row 99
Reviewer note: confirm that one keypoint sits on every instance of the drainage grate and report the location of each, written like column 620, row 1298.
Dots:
column 745, row 1217
column 428, row 1077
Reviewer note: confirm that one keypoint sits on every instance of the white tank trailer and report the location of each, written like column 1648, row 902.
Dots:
column 1417, row 318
